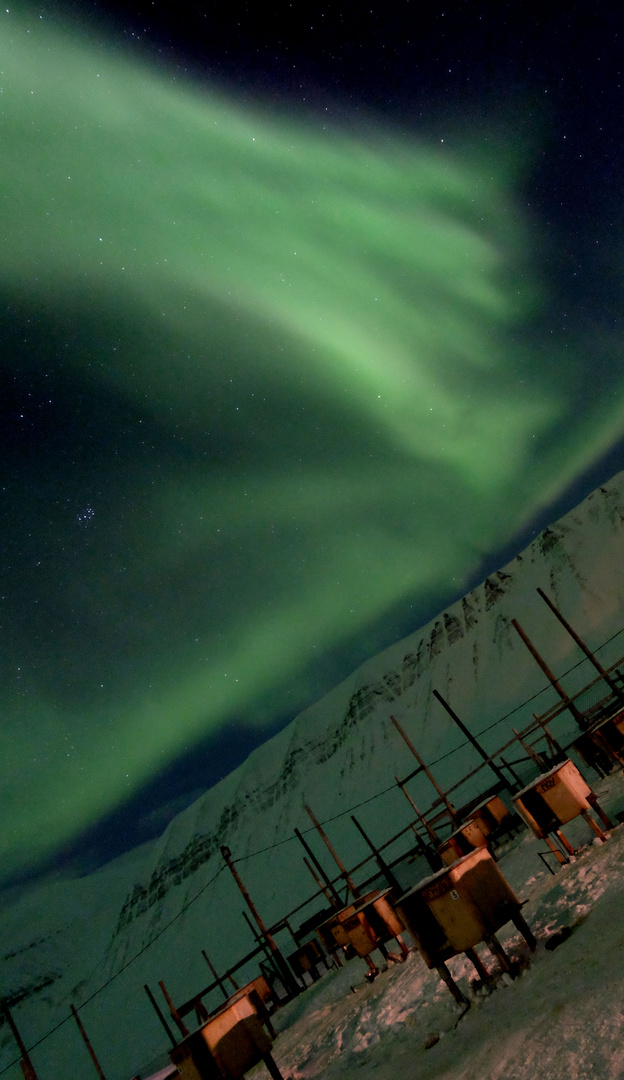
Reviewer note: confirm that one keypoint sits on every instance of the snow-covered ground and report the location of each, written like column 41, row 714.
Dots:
column 562, row 1017
column 96, row 941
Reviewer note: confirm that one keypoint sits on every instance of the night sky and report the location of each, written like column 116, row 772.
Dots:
column 311, row 317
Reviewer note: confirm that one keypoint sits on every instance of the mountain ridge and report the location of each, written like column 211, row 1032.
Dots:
column 148, row 914
column 437, row 638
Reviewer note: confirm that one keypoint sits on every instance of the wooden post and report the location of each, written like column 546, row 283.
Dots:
column 355, row 892
column 321, row 885
column 26, row 1064
column 533, row 754
column 600, row 740
column 175, row 1015
column 564, row 840
column 215, row 976
column 585, row 814
column 288, row 927
column 514, row 774
column 593, row 802
column 282, row 972
column 328, row 896
column 381, row 862
column 285, row 973
column 88, row 1045
column 555, row 747
column 272, row 1068
column 433, row 836
column 497, row 950
column 260, row 940
column 334, row 898
column 446, row 977
column 549, row 675
column 615, row 690
column 522, row 925
column 471, row 738
column 560, row 857
column 159, row 1014
column 450, row 809
column 477, row 964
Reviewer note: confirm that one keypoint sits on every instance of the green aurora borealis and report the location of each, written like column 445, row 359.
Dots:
column 286, row 377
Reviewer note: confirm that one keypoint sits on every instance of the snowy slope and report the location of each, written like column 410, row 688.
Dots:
column 62, row 943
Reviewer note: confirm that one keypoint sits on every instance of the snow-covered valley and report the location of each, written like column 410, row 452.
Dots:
column 94, row 942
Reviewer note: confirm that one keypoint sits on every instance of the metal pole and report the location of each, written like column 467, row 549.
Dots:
column 579, row 641
column 28, row 1070
column 334, row 899
column 471, row 738
column 88, row 1045
column 381, row 863
column 451, row 809
column 334, row 854
column 549, row 675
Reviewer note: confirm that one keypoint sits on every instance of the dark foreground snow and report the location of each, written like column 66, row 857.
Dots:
column 562, row 1018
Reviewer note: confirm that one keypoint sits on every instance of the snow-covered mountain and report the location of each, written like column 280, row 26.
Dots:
column 148, row 915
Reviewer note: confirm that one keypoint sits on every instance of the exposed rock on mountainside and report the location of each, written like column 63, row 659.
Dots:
column 168, row 900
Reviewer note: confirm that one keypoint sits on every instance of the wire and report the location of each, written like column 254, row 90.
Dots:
column 121, row 969
column 280, row 843
column 437, row 760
